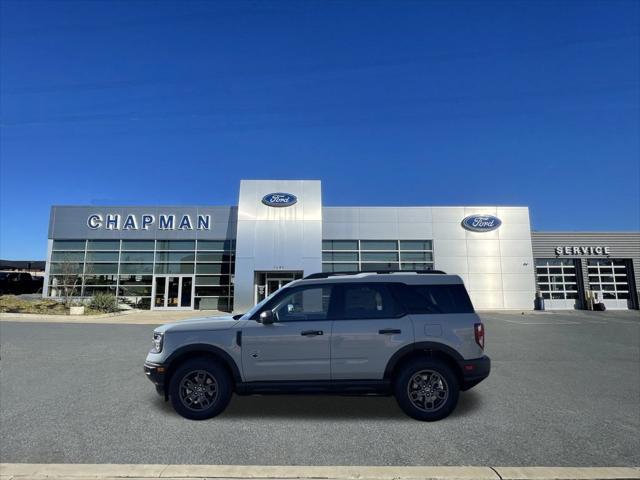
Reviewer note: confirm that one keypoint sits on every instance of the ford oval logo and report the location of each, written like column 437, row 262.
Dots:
column 279, row 199
column 481, row 223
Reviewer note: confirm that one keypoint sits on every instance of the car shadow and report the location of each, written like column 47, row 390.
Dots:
column 323, row 407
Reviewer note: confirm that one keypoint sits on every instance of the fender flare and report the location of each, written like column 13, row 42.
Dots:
column 209, row 349
column 417, row 347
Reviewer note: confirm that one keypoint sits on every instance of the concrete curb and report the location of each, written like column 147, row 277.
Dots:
column 24, row 471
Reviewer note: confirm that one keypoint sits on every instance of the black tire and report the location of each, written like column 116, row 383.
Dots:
column 213, row 374
column 436, row 407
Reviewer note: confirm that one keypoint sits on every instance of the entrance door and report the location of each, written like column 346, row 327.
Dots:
column 173, row 292
column 268, row 282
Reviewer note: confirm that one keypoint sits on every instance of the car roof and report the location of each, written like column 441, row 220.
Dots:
column 410, row 278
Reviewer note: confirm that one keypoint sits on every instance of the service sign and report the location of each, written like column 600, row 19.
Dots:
column 481, row 223
column 279, row 199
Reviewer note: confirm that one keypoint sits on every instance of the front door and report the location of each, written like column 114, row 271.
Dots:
column 173, row 292
column 297, row 345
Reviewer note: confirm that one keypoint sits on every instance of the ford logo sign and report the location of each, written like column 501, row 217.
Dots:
column 279, row 199
column 481, row 223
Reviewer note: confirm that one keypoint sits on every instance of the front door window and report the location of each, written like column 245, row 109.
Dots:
column 268, row 282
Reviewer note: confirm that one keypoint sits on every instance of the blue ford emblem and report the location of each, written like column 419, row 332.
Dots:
column 481, row 223
column 279, row 199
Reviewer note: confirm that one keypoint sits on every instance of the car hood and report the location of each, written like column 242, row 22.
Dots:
column 195, row 324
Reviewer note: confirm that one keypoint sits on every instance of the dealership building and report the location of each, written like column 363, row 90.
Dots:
column 230, row 257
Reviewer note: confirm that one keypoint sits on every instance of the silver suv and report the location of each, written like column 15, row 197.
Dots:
column 413, row 335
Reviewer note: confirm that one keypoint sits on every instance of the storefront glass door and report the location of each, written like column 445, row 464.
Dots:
column 173, row 292
column 268, row 282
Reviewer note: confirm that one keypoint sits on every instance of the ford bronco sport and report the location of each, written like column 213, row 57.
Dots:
column 413, row 335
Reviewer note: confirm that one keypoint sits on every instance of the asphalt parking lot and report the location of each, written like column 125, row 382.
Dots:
column 564, row 390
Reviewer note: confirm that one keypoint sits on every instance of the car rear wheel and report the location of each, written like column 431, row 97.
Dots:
column 200, row 389
column 426, row 389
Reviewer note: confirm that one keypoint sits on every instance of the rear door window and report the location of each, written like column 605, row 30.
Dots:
column 361, row 301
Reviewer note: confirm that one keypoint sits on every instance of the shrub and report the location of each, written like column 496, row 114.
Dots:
column 104, row 302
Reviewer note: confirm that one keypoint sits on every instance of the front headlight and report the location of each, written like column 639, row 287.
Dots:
column 158, row 339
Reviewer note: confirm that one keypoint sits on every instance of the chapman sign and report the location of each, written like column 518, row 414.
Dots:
column 588, row 250
column 481, row 223
column 144, row 222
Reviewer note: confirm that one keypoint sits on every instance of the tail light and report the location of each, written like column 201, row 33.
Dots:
column 478, row 330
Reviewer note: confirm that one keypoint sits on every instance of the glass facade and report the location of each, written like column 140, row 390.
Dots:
column 126, row 269
column 371, row 255
column 609, row 278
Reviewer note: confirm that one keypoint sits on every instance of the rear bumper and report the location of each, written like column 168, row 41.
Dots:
column 474, row 371
column 156, row 373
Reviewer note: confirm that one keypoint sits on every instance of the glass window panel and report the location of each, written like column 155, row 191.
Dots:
column 621, row 278
column 175, row 256
column 212, row 291
column 416, row 245
column 138, row 244
column 133, row 291
column 557, row 296
column 544, row 287
column 340, row 245
column 103, row 245
column 608, row 271
column 543, row 278
column 606, row 278
column 90, row 291
column 222, row 303
column 67, row 256
column 608, row 287
column 417, row 256
column 141, row 257
column 176, row 245
column 378, row 245
column 100, row 279
column 556, row 278
column 213, row 268
column 623, row 295
column 174, row 267
column 214, row 257
column 102, row 256
column 416, row 266
column 136, row 268
column 370, row 267
column 368, row 301
column 215, row 245
column 340, row 256
column 65, row 280
column 546, row 295
column 135, row 279
column 101, row 268
column 555, row 270
column 68, row 244
column 572, row 295
column 307, row 303
column 212, row 280
column 66, row 268
column 609, row 295
column 379, row 256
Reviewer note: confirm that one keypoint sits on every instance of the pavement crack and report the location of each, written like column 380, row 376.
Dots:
column 496, row 472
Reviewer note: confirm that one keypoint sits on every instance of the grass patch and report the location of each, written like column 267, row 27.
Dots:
column 13, row 304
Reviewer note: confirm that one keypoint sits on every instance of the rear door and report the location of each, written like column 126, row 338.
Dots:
column 369, row 327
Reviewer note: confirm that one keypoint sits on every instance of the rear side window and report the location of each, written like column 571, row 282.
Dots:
column 424, row 299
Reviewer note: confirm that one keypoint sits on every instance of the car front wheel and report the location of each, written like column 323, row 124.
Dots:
column 426, row 389
column 200, row 389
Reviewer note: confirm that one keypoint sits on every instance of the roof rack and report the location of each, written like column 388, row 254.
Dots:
column 336, row 274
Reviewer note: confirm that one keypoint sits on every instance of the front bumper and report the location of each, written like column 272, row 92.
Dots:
column 156, row 373
column 474, row 371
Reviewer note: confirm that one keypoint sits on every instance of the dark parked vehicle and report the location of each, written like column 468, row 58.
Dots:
column 17, row 283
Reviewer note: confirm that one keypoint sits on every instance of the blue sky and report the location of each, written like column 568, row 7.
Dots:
column 388, row 103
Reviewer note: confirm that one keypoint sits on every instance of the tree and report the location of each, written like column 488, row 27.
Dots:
column 68, row 272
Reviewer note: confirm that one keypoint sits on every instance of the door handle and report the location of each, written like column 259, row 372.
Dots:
column 388, row 331
column 311, row 333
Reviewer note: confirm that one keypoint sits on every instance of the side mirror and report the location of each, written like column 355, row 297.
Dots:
column 267, row 317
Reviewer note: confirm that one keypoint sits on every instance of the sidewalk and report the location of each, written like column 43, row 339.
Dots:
column 18, row 471
column 131, row 317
